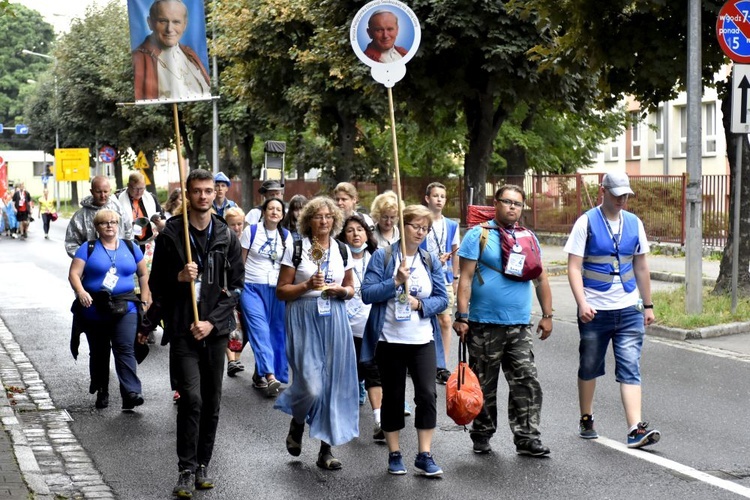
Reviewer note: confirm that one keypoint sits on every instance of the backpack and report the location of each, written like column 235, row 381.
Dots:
column 463, row 393
column 532, row 263
column 297, row 253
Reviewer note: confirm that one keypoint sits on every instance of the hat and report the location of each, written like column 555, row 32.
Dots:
column 221, row 177
column 270, row 186
column 617, row 183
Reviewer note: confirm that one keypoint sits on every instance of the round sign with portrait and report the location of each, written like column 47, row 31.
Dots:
column 385, row 35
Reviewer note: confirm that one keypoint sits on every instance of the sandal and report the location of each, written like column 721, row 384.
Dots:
column 327, row 461
column 294, row 439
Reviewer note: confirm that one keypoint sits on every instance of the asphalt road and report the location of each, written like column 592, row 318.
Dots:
column 697, row 397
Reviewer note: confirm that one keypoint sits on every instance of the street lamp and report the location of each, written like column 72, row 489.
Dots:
column 57, row 117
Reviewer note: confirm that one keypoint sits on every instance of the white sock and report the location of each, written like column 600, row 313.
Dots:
column 632, row 428
column 376, row 414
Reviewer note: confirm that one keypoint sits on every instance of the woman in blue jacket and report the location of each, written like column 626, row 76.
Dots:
column 407, row 292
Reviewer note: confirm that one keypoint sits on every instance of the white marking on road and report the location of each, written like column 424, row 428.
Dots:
column 702, row 349
column 675, row 466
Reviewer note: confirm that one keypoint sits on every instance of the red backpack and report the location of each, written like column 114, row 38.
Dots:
column 524, row 244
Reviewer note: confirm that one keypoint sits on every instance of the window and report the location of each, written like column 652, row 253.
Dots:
column 683, row 130
column 709, row 128
column 635, row 135
column 612, row 151
column 659, row 133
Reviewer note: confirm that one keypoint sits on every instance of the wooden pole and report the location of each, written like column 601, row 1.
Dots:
column 183, row 189
column 402, row 243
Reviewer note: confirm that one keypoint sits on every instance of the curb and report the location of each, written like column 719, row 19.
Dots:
column 706, row 332
column 51, row 460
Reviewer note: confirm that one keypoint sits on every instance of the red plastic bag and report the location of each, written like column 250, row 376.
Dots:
column 463, row 393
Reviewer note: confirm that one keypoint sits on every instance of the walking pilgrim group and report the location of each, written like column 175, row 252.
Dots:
column 338, row 311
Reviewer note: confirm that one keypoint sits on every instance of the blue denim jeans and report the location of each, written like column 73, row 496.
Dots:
column 625, row 328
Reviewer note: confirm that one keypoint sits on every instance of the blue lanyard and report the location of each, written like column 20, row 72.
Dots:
column 616, row 241
column 364, row 266
column 272, row 255
column 208, row 239
column 441, row 240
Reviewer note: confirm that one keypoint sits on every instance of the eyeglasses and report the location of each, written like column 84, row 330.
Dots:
column 321, row 218
column 417, row 228
column 108, row 223
column 511, row 203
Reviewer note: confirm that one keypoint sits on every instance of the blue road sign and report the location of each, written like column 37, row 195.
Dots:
column 1, row 128
column 22, row 129
column 733, row 30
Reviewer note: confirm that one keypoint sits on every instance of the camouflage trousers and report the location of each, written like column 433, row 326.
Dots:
column 509, row 347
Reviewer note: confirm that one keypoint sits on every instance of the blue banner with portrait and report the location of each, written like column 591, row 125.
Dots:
column 168, row 44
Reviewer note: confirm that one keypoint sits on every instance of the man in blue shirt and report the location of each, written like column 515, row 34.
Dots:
column 497, row 326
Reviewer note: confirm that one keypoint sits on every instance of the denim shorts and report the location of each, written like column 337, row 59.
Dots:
column 625, row 328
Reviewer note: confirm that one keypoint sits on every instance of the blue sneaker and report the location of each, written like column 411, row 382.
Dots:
column 426, row 465
column 396, row 464
column 362, row 393
column 641, row 436
column 407, row 409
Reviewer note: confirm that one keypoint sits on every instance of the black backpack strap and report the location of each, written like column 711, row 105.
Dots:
column 297, row 253
column 90, row 249
column 343, row 252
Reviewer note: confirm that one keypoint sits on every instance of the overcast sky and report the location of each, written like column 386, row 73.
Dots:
column 60, row 13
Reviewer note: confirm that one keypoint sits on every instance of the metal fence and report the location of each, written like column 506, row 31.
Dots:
column 555, row 201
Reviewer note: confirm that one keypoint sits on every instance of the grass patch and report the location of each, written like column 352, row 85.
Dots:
column 669, row 307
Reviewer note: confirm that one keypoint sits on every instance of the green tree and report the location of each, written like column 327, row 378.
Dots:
column 20, row 28
column 647, row 60
column 94, row 73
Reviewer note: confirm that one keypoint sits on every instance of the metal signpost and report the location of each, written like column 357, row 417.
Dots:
column 733, row 32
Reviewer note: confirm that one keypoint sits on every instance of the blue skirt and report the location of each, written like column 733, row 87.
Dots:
column 325, row 389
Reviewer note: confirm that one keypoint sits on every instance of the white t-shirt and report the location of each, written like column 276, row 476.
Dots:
column 178, row 77
column 616, row 297
column 260, row 268
column 357, row 310
column 332, row 266
column 253, row 216
column 417, row 330
column 436, row 242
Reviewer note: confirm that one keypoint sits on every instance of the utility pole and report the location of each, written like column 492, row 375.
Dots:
column 694, row 201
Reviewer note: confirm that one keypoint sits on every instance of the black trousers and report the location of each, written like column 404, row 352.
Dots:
column 46, row 218
column 393, row 361
column 198, row 370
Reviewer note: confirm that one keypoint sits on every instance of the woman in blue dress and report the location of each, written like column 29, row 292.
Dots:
column 315, row 280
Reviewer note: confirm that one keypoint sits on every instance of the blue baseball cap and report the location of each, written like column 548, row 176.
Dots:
column 221, row 177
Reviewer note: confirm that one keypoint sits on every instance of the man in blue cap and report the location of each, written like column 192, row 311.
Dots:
column 221, row 185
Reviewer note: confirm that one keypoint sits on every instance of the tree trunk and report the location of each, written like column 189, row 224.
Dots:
column 149, row 172
column 346, row 133
column 244, row 148
column 483, row 122
column 724, row 281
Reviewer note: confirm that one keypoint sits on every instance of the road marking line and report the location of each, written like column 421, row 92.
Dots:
column 703, row 349
column 675, row 466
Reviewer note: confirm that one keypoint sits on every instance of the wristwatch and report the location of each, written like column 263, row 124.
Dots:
column 460, row 315
column 648, row 306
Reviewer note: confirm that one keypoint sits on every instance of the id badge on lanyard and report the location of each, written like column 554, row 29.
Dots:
column 324, row 306
column 110, row 280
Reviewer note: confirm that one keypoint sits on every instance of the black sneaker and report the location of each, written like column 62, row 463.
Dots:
column 132, row 400
column 377, row 433
column 442, row 376
column 481, row 445
column 102, row 399
column 232, row 368
column 202, row 481
column 259, row 382
column 586, row 427
column 185, row 485
column 532, row 447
